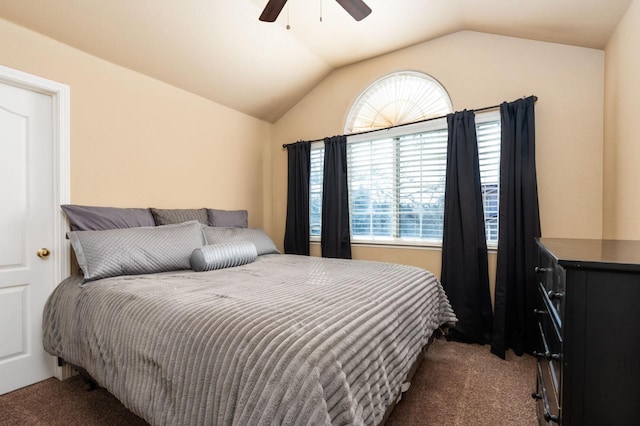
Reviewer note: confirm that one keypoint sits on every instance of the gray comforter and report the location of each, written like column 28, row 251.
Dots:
column 285, row 340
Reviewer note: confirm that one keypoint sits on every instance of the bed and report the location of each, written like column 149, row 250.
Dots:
column 275, row 339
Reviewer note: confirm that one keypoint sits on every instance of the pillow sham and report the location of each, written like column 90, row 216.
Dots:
column 173, row 216
column 228, row 218
column 135, row 251
column 264, row 244
column 90, row 218
column 223, row 255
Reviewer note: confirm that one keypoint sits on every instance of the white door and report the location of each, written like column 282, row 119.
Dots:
column 27, row 249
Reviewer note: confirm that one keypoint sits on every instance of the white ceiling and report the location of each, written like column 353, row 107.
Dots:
column 219, row 50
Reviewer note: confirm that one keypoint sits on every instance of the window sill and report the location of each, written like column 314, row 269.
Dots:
column 491, row 248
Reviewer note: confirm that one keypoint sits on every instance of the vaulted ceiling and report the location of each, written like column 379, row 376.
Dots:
column 219, row 50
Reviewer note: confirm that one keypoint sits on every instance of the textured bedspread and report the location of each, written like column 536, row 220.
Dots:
column 285, row 340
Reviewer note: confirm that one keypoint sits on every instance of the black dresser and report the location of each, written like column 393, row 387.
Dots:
column 589, row 324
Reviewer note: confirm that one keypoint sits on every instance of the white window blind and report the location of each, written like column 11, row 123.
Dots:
column 396, row 182
column 399, row 97
column 488, row 133
column 315, row 189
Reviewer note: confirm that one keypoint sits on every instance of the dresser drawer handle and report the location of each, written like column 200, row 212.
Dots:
column 547, row 355
column 551, row 417
column 555, row 295
column 540, row 269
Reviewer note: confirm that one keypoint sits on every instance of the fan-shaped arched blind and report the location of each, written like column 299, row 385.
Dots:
column 401, row 97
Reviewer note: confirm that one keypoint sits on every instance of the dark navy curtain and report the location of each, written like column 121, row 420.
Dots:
column 519, row 225
column 336, row 233
column 296, row 234
column 465, row 274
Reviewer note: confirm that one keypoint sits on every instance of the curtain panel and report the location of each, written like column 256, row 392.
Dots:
column 296, row 234
column 336, row 232
column 519, row 225
column 465, row 274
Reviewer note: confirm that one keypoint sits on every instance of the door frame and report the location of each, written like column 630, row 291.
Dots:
column 60, row 94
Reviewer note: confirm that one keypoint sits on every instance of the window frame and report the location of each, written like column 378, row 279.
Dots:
column 394, row 134
column 397, row 132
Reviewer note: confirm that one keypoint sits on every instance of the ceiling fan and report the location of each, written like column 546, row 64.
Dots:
column 356, row 8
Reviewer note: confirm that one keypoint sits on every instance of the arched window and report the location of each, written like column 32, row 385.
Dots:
column 396, row 176
column 398, row 98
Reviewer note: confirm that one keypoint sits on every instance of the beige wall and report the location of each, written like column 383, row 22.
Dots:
column 622, row 130
column 481, row 70
column 136, row 141
column 139, row 142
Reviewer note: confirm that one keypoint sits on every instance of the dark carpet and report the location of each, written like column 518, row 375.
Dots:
column 457, row 384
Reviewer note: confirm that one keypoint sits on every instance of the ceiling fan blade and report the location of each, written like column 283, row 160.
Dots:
column 272, row 10
column 356, row 8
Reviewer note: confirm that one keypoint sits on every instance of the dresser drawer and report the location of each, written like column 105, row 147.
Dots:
column 551, row 283
column 546, row 399
column 549, row 316
column 549, row 353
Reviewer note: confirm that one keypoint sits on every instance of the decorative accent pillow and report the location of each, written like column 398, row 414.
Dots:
column 257, row 236
column 173, row 216
column 89, row 218
column 135, row 251
column 223, row 255
column 228, row 218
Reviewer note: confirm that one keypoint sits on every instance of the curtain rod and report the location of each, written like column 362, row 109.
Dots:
column 284, row 145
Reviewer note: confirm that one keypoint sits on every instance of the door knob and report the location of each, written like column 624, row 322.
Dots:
column 43, row 252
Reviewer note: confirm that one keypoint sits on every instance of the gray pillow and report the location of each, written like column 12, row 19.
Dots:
column 224, row 255
column 228, row 218
column 89, row 218
column 172, row 216
column 263, row 243
column 134, row 251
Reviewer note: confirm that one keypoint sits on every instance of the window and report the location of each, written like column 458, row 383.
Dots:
column 396, row 176
column 488, row 133
column 396, row 184
column 315, row 189
column 398, row 98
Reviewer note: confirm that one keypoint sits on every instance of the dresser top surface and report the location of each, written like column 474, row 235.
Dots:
column 600, row 253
